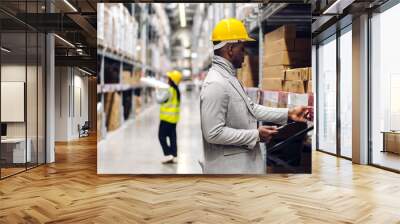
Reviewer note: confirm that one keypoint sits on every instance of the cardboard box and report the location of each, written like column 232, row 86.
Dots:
column 270, row 98
column 309, row 86
column 275, row 71
column 288, row 58
column 296, row 86
column 271, row 47
column 126, row 77
column 239, row 74
column 298, row 74
column 272, row 84
column 136, row 77
column 392, row 141
column 249, row 72
column 113, row 106
column 302, row 44
column 283, row 32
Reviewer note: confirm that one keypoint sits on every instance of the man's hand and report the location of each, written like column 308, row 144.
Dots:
column 300, row 113
column 266, row 133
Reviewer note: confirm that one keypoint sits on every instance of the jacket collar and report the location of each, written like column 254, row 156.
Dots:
column 224, row 64
column 226, row 69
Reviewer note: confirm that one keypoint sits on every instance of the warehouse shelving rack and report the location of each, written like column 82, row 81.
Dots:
column 103, row 87
column 266, row 16
column 137, row 63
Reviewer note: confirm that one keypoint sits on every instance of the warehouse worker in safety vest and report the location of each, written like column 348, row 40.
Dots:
column 169, row 116
column 228, row 116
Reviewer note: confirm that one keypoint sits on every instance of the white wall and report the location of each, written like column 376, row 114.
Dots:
column 61, row 103
column 15, row 73
column 71, row 88
column 33, row 127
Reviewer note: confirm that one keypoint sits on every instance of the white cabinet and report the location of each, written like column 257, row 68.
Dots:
column 17, row 146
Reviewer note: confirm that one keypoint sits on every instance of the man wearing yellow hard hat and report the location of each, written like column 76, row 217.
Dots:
column 169, row 116
column 228, row 116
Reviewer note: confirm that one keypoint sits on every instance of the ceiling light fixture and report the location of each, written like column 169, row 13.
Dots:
column 86, row 72
column 5, row 50
column 182, row 14
column 70, row 5
column 337, row 7
column 65, row 41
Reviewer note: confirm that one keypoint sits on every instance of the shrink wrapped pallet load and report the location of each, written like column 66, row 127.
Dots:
column 108, row 27
column 270, row 98
column 282, row 99
column 100, row 23
column 296, row 99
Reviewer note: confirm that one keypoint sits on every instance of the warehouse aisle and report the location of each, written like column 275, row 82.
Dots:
column 135, row 149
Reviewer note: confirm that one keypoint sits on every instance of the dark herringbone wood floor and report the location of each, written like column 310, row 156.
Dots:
column 69, row 191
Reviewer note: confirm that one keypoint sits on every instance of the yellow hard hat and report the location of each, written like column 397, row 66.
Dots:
column 230, row 29
column 175, row 76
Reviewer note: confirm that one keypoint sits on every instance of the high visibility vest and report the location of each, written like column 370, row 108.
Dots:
column 169, row 111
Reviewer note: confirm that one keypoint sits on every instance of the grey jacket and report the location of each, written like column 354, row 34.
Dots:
column 229, row 123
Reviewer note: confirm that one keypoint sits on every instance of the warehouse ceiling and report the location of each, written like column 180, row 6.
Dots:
column 74, row 21
column 172, row 10
column 181, row 36
column 323, row 23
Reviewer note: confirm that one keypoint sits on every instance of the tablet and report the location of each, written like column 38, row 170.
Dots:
column 287, row 134
column 289, row 151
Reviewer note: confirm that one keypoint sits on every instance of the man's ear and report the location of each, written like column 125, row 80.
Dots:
column 230, row 50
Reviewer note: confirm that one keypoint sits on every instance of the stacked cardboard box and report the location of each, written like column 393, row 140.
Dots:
column 309, row 83
column 275, row 84
column 136, row 77
column 100, row 24
column 113, row 106
column 283, row 51
column 392, row 142
column 248, row 74
column 298, row 80
column 131, row 78
column 126, row 77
